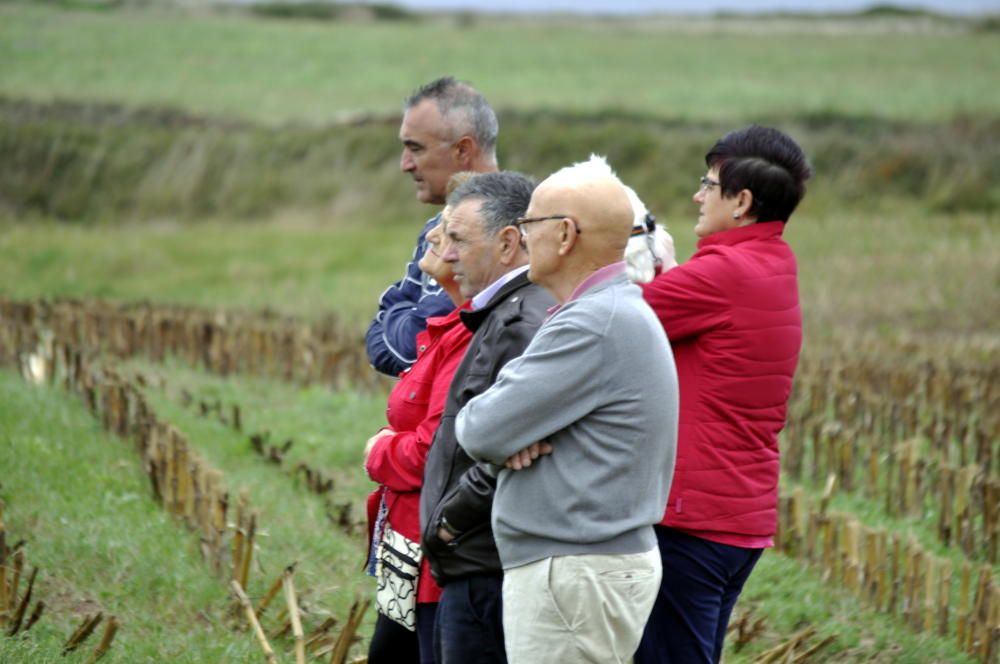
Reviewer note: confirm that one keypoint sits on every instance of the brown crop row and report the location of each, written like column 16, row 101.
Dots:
column 221, row 342
column 917, row 434
column 894, row 576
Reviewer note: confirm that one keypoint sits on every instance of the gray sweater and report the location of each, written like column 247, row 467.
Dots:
column 598, row 382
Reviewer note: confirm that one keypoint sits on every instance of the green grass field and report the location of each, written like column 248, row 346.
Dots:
column 916, row 269
column 934, row 273
column 315, row 71
column 121, row 553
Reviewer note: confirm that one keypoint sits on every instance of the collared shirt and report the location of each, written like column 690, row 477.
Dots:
column 480, row 300
column 605, row 273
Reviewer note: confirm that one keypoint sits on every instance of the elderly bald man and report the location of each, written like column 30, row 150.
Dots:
column 584, row 427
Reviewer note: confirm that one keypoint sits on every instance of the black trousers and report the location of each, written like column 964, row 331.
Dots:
column 469, row 625
column 394, row 644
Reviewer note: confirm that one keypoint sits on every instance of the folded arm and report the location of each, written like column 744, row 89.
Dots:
column 543, row 391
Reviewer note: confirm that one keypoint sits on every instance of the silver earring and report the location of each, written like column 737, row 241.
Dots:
column 736, row 215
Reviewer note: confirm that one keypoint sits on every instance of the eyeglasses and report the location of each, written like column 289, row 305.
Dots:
column 707, row 183
column 521, row 221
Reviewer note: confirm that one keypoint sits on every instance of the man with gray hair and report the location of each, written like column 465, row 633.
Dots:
column 448, row 127
column 585, row 421
column 490, row 266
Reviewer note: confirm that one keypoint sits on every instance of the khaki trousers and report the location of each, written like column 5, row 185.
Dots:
column 588, row 608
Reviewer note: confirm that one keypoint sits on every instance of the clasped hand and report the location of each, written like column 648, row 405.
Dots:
column 524, row 458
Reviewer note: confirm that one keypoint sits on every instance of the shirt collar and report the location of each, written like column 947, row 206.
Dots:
column 439, row 324
column 600, row 276
column 483, row 298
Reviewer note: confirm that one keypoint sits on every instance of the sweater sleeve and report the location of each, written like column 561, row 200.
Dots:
column 548, row 388
column 690, row 299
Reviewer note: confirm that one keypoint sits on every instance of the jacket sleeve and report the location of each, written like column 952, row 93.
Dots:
column 545, row 390
column 398, row 461
column 402, row 315
column 691, row 298
column 403, row 310
column 470, row 503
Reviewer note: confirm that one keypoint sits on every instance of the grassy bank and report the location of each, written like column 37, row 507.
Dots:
column 78, row 161
column 193, row 114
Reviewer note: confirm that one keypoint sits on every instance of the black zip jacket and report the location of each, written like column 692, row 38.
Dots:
column 456, row 487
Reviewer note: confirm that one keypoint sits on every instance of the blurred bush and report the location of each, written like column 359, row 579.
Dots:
column 988, row 24
column 85, row 161
column 330, row 11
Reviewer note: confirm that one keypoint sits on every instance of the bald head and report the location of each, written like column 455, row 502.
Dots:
column 596, row 199
column 579, row 221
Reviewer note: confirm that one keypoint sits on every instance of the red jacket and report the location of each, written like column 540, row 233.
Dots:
column 733, row 319
column 414, row 410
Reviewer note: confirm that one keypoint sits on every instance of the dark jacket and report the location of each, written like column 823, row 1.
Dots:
column 455, row 486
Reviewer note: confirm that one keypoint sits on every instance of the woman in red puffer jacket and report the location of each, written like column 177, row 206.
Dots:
column 732, row 316
column 395, row 456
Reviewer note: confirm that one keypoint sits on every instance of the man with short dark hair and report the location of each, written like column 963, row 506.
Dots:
column 490, row 266
column 448, row 127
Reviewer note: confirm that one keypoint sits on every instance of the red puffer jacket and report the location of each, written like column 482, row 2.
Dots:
column 733, row 319
column 414, row 410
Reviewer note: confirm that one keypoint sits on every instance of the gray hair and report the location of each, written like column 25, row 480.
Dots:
column 466, row 110
column 505, row 196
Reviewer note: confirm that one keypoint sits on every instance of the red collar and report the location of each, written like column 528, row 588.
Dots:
column 757, row 231
column 440, row 324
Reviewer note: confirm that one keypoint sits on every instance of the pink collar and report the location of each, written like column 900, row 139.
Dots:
column 604, row 274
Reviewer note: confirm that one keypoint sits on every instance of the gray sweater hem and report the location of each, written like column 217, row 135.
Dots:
column 519, row 549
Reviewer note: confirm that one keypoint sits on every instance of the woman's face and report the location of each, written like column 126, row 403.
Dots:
column 715, row 213
column 431, row 262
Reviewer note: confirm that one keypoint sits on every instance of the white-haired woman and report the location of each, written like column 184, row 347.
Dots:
column 650, row 250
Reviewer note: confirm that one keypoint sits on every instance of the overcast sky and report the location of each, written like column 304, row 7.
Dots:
column 695, row 6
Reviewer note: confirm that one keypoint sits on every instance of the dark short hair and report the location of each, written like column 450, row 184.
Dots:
column 464, row 107
column 768, row 163
column 505, row 196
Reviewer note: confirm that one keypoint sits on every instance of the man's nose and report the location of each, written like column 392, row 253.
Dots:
column 406, row 162
column 449, row 254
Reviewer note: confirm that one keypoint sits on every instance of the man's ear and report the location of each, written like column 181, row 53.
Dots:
column 568, row 237
column 466, row 151
column 509, row 241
